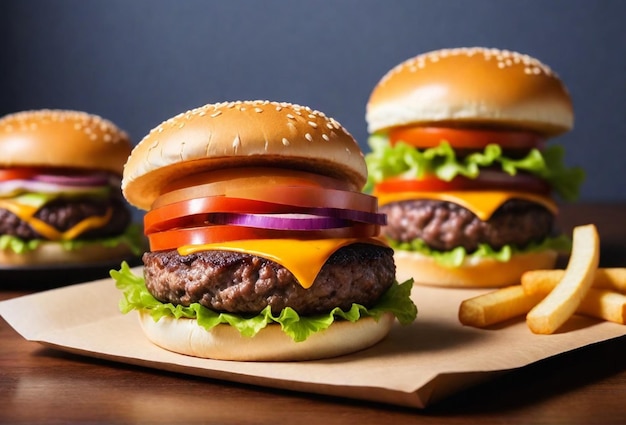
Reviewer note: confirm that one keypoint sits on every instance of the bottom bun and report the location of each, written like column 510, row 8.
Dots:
column 224, row 342
column 53, row 253
column 483, row 273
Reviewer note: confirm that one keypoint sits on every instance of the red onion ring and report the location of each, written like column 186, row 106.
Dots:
column 93, row 179
column 11, row 187
column 279, row 221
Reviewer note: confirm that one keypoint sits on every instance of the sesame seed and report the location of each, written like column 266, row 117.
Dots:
column 258, row 110
column 291, row 116
column 216, row 114
column 236, row 142
column 285, row 142
column 325, row 137
column 312, row 124
column 308, row 137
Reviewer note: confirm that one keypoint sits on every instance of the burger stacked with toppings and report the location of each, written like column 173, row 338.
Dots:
column 60, row 197
column 462, row 166
column 262, row 244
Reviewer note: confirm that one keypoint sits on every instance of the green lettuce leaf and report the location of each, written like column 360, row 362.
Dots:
column 132, row 236
column 456, row 256
column 136, row 297
column 386, row 161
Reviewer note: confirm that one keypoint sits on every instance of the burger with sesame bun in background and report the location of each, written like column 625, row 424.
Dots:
column 462, row 167
column 60, row 197
column 262, row 245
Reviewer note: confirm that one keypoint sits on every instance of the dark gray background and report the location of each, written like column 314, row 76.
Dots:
column 139, row 62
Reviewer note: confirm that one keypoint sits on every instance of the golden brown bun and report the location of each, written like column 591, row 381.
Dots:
column 52, row 253
column 59, row 138
column 487, row 273
column 477, row 85
column 241, row 134
column 224, row 342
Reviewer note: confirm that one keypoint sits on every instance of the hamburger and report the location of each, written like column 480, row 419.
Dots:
column 262, row 245
column 461, row 164
column 60, row 197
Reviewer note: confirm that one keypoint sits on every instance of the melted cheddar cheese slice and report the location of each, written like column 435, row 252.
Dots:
column 303, row 258
column 481, row 203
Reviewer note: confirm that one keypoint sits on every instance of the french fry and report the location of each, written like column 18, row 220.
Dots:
column 543, row 281
column 513, row 301
column 497, row 306
column 563, row 301
column 604, row 304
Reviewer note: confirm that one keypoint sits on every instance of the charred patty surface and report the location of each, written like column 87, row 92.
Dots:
column 445, row 225
column 242, row 283
column 63, row 214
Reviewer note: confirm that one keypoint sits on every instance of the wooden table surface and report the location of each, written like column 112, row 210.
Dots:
column 42, row 385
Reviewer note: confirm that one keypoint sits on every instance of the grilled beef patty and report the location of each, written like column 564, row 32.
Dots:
column 63, row 214
column 235, row 282
column 445, row 225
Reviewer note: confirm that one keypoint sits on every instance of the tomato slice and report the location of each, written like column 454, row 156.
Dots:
column 17, row 173
column 487, row 180
column 309, row 196
column 299, row 196
column 174, row 239
column 465, row 138
column 219, row 182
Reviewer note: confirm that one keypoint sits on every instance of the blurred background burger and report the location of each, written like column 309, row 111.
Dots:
column 462, row 167
column 60, row 197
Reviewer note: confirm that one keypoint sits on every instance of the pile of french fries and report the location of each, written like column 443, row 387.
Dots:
column 549, row 298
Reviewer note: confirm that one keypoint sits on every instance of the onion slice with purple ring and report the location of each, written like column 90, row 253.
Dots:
column 92, row 179
column 15, row 187
column 279, row 221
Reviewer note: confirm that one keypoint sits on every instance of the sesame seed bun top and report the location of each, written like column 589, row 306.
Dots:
column 241, row 134
column 62, row 138
column 476, row 85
